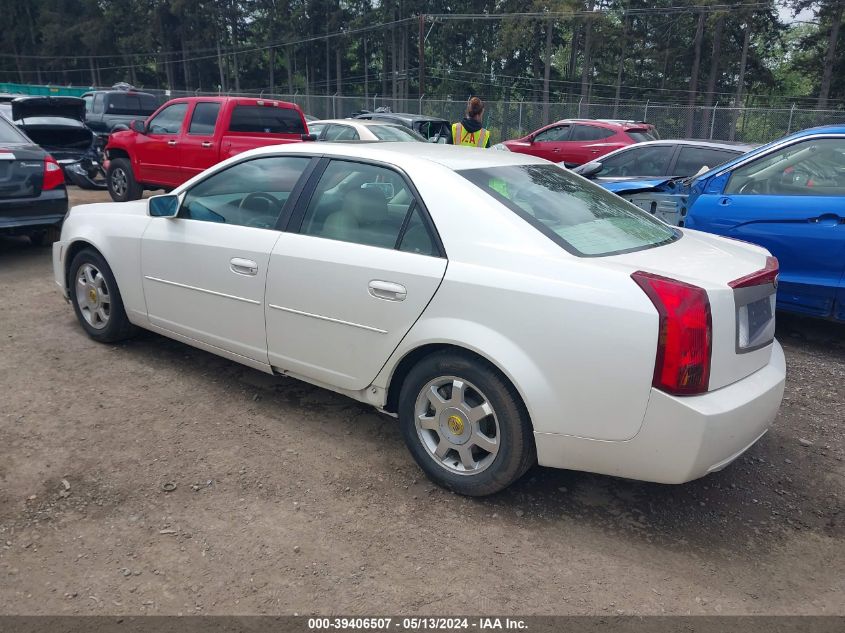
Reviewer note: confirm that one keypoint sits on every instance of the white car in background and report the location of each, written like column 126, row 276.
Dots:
column 505, row 310
column 361, row 130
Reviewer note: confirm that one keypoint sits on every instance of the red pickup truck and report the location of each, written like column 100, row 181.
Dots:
column 186, row 136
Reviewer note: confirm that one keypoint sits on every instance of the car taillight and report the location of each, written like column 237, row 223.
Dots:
column 682, row 364
column 53, row 176
column 768, row 275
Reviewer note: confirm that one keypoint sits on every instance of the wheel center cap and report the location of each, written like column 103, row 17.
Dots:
column 92, row 296
column 455, row 426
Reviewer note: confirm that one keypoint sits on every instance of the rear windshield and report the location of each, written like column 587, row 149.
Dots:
column 638, row 136
column 266, row 120
column 9, row 133
column 394, row 133
column 582, row 217
column 131, row 104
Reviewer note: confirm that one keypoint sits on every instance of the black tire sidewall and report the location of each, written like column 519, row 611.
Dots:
column 118, row 325
column 516, row 450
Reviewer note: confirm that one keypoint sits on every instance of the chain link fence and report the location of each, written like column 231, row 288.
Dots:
column 512, row 119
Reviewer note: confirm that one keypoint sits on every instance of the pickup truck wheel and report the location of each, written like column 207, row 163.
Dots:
column 96, row 299
column 121, row 181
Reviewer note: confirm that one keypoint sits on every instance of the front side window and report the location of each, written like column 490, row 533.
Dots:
column 581, row 217
column 691, row 160
column 204, row 118
column 266, row 120
column 169, row 120
column 590, row 133
column 252, row 193
column 89, row 102
column 360, row 203
column 809, row 168
column 648, row 161
column 98, row 103
column 559, row 133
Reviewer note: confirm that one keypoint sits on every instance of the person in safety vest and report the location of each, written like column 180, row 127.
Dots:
column 469, row 131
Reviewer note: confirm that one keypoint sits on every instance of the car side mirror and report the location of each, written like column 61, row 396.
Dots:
column 164, row 206
column 308, row 137
column 589, row 170
column 138, row 126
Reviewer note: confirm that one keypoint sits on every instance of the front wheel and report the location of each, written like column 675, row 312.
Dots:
column 96, row 299
column 121, row 181
column 465, row 424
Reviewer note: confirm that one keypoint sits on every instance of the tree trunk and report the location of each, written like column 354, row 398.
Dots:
column 620, row 67
column 290, row 73
column 186, row 72
column 712, row 76
column 93, row 73
column 337, row 69
column 272, row 70
column 222, row 86
column 740, row 84
column 830, row 57
column 366, row 77
column 547, row 71
column 588, row 61
column 328, row 63
column 693, row 84
column 393, row 56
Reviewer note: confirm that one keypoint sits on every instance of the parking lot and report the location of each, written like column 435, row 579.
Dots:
column 152, row 477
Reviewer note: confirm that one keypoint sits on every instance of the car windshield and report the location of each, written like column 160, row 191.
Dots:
column 394, row 133
column 583, row 218
column 9, row 133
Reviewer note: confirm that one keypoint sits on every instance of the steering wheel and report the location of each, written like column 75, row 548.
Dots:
column 257, row 195
column 755, row 186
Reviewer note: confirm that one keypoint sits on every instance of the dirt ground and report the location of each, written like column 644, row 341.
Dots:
column 290, row 499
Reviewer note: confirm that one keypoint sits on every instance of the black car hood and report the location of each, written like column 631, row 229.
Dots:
column 65, row 107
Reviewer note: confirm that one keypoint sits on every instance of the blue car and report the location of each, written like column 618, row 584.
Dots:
column 788, row 196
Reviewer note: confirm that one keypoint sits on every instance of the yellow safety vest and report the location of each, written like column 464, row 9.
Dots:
column 471, row 139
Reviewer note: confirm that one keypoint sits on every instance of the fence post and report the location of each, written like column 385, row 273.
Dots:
column 334, row 106
column 579, row 106
column 645, row 112
column 374, row 101
column 421, row 98
column 520, row 117
column 713, row 119
column 791, row 112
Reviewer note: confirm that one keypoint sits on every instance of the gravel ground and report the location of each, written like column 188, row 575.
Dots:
column 289, row 499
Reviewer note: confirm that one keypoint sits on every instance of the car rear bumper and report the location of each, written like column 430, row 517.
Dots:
column 23, row 213
column 681, row 439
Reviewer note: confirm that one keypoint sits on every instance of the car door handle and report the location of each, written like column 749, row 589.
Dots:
column 171, row 143
column 207, row 144
column 827, row 219
column 387, row 290
column 241, row 266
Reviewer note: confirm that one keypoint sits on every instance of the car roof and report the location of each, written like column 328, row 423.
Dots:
column 608, row 123
column 402, row 116
column 727, row 145
column 408, row 153
column 364, row 122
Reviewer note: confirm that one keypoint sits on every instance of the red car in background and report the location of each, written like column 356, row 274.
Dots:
column 578, row 141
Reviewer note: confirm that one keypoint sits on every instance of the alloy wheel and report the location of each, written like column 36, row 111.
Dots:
column 92, row 296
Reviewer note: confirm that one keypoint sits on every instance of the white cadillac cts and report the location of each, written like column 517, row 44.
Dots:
column 506, row 310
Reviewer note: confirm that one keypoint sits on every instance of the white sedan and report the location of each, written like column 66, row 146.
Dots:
column 361, row 130
column 505, row 310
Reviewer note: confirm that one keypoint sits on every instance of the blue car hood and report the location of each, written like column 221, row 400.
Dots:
column 641, row 184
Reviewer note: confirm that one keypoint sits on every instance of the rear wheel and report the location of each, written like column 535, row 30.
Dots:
column 465, row 425
column 96, row 299
column 121, row 181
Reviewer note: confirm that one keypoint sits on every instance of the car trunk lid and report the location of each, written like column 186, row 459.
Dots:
column 66, row 107
column 740, row 294
column 21, row 172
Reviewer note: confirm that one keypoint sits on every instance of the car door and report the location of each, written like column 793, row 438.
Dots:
column 358, row 265
column 198, row 149
column 547, row 143
column 204, row 271
column 790, row 200
column 157, row 150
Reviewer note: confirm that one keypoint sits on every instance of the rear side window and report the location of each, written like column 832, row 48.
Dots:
column 342, row 133
column 9, row 133
column 692, row 159
column 204, row 118
column 590, row 133
column 394, row 133
column 638, row 136
column 131, row 103
column 581, row 217
column 266, row 120
column 646, row 160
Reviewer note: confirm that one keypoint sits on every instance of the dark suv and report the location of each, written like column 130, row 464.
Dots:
column 434, row 129
column 110, row 110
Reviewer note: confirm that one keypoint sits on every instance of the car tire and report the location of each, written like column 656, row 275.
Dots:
column 46, row 236
column 465, row 424
column 121, row 181
column 96, row 298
